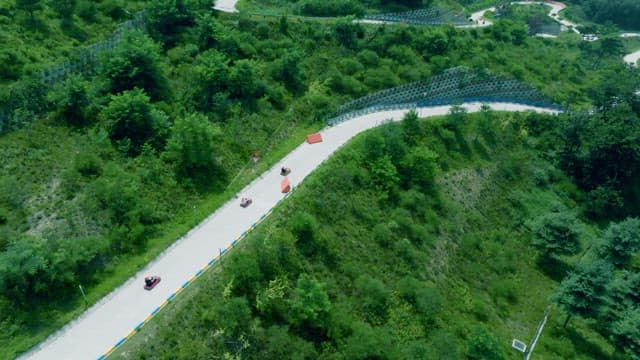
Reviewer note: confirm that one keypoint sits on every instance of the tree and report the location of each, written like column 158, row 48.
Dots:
column 411, row 127
column 165, row 18
column 625, row 333
column 304, row 227
column 234, row 315
column 556, row 233
column 135, row 62
column 583, row 291
column 244, row 273
column 30, row 6
column 347, row 32
column 193, row 147
column 289, row 71
column 621, row 241
column 243, row 83
column 310, row 302
column 420, row 167
column 384, row 174
column 457, row 116
column 132, row 121
column 623, row 292
column 366, row 342
column 20, row 265
column 374, row 296
column 211, row 80
column 71, row 101
column 279, row 343
column 443, row 345
column 64, row 9
column 437, row 43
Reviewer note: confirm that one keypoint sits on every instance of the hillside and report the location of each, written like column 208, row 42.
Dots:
column 414, row 241
column 104, row 169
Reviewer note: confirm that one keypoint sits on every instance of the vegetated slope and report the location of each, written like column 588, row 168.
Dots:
column 330, row 8
column 102, row 172
column 623, row 13
column 414, row 241
column 37, row 34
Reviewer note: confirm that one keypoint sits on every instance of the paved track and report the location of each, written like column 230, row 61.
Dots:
column 109, row 321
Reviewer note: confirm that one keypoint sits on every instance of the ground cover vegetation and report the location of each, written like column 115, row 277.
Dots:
column 623, row 13
column 109, row 167
column 37, row 32
column 333, row 8
column 377, row 255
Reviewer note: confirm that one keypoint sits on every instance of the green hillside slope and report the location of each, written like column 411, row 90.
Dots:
column 415, row 241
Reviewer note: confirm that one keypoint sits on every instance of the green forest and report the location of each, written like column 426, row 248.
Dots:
column 440, row 238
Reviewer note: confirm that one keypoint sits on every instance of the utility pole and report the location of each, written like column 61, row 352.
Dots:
column 527, row 354
column 86, row 303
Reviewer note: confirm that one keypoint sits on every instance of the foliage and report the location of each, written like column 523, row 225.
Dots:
column 626, row 333
column 292, row 75
column 135, row 62
column 310, row 302
column 72, row 102
column 132, row 121
column 582, row 292
column 374, row 295
column 556, row 233
column 165, row 18
column 620, row 241
column 619, row 12
column 483, row 345
column 192, row 147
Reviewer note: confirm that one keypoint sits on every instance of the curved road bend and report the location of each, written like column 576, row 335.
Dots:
column 105, row 323
column 226, row 5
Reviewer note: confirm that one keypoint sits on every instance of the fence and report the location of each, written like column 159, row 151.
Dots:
column 84, row 61
column 431, row 16
column 442, row 102
column 454, row 83
column 18, row 109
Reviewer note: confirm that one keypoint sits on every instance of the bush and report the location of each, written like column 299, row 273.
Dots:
column 135, row 63
column 374, row 296
column 132, row 121
column 88, row 164
column 305, row 227
column 505, row 289
column 483, row 345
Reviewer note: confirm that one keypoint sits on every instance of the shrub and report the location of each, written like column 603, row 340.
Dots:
column 482, row 345
column 374, row 296
column 88, row 164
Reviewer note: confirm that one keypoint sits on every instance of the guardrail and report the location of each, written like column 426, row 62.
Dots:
column 203, row 269
column 441, row 102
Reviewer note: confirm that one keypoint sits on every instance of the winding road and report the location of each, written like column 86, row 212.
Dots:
column 107, row 323
column 114, row 318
